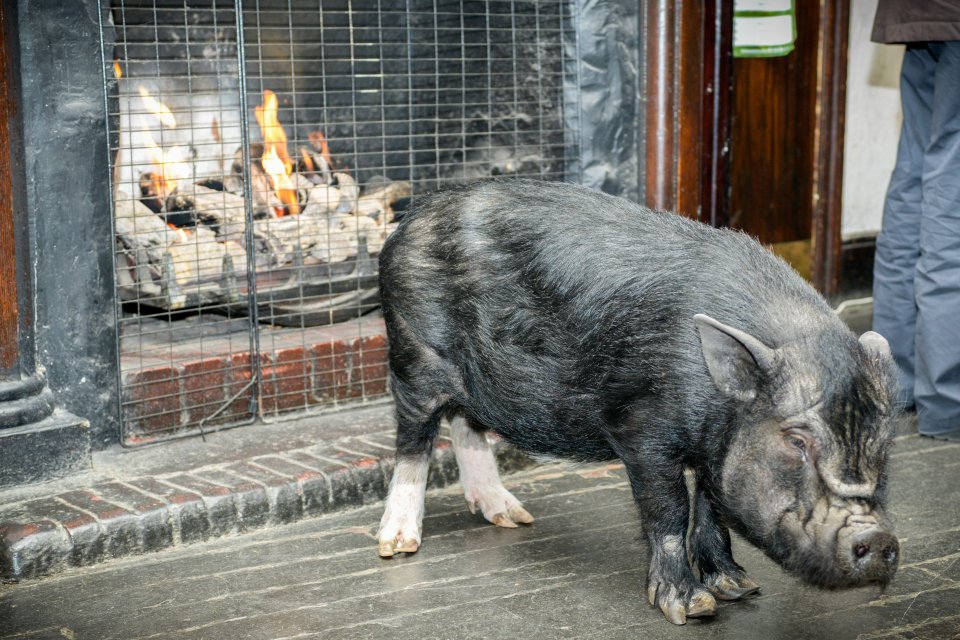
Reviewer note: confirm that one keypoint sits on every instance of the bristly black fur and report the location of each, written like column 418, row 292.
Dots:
column 562, row 319
column 549, row 311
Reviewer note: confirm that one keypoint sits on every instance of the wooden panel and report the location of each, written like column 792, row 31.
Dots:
column 691, row 144
column 660, row 60
column 688, row 72
column 828, row 171
column 8, row 270
column 773, row 138
column 717, row 99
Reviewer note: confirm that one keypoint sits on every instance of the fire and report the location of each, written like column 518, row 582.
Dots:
column 170, row 165
column 117, row 71
column 275, row 160
column 158, row 109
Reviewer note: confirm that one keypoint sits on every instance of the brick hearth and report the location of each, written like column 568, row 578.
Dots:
column 170, row 389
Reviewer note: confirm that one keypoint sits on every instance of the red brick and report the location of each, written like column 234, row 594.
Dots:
column 95, row 504
column 350, row 382
column 238, row 375
column 286, row 383
column 152, row 400
column 205, row 387
column 373, row 365
column 329, row 371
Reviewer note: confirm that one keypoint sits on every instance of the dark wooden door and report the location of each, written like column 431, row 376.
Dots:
column 756, row 144
column 787, row 144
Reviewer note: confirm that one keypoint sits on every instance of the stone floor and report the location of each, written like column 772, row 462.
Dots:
column 576, row 573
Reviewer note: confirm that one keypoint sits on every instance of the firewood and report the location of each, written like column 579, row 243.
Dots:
column 265, row 201
column 152, row 191
column 349, row 191
column 137, row 226
column 313, row 166
column 379, row 196
column 200, row 257
column 322, row 199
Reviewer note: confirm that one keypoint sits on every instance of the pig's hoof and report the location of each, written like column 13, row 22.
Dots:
column 701, row 605
column 498, row 506
column 387, row 548
column 730, row 586
column 399, row 533
column 677, row 606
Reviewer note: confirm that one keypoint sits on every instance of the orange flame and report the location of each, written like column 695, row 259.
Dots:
column 170, row 165
column 116, row 69
column 158, row 109
column 275, row 160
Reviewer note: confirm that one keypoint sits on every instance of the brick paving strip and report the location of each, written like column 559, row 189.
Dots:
column 122, row 512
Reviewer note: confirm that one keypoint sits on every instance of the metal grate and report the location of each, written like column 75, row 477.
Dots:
column 262, row 152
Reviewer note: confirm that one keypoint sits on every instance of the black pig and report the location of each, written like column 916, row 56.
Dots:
column 580, row 325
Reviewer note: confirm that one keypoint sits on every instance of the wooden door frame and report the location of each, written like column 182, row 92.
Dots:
column 828, row 171
column 689, row 84
column 15, row 290
column 689, row 73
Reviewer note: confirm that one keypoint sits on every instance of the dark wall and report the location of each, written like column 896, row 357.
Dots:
column 67, row 202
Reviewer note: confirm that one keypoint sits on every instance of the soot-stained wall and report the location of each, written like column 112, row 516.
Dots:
column 68, row 205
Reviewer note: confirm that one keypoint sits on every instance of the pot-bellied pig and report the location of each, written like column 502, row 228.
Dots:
column 584, row 326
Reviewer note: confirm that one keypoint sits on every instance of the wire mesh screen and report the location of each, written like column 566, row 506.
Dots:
column 263, row 152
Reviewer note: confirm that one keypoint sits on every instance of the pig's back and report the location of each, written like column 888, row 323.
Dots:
column 557, row 306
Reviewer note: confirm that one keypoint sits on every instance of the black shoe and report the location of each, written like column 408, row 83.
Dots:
column 951, row 436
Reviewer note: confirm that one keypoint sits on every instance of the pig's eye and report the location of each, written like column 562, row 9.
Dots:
column 798, row 442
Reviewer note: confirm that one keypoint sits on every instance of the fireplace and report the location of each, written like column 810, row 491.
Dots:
column 261, row 155
column 207, row 185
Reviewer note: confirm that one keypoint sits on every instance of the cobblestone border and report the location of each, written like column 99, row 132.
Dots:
column 129, row 516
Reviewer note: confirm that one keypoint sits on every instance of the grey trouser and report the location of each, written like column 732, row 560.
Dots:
column 916, row 285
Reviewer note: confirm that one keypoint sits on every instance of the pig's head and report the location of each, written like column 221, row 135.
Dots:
column 804, row 472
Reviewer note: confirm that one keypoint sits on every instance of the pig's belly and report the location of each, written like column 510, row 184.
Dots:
column 574, row 436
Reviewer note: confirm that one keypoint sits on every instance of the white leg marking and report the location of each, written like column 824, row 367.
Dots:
column 400, row 527
column 481, row 480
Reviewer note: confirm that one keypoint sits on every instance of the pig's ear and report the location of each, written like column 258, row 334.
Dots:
column 876, row 346
column 735, row 359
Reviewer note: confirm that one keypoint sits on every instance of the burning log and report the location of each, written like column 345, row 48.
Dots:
column 222, row 211
column 265, row 201
column 343, row 237
column 137, row 227
column 163, row 266
column 314, row 167
column 322, row 199
column 349, row 192
column 200, row 257
column 152, row 191
column 303, row 187
column 320, row 146
column 327, row 237
column 379, row 197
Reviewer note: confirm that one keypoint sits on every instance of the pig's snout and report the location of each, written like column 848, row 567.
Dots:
column 874, row 554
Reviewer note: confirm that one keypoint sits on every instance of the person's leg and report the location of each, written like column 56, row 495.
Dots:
column 937, row 283
column 898, row 245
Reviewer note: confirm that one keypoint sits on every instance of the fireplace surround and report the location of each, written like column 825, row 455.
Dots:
column 119, row 342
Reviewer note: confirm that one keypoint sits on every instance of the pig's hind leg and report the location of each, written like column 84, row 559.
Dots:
column 480, row 478
column 710, row 550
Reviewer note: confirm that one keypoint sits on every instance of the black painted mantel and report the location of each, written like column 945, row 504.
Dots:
column 57, row 339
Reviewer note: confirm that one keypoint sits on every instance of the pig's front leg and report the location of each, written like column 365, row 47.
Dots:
column 661, row 494
column 710, row 549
